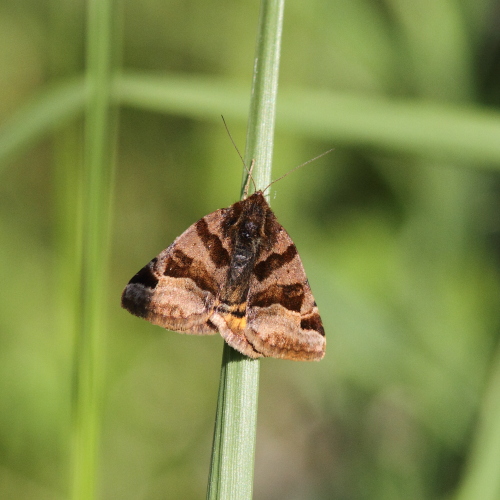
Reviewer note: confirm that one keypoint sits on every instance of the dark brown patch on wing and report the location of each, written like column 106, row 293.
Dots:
column 289, row 296
column 313, row 323
column 265, row 268
column 178, row 262
column 218, row 254
column 180, row 265
column 272, row 227
column 134, row 302
column 145, row 276
column 231, row 216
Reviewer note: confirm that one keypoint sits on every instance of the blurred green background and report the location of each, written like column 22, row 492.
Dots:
column 398, row 229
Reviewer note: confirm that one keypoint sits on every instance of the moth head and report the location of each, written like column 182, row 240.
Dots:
column 245, row 220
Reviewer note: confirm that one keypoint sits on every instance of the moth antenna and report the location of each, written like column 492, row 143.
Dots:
column 232, row 141
column 249, row 171
column 297, row 167
column 249, row 178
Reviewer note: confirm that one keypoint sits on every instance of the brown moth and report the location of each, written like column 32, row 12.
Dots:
column 236, row 271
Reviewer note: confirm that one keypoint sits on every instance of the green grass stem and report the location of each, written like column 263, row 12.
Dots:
column 89, row 343
column 232, row 466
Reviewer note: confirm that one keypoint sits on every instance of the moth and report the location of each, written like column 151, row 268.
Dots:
column 237, row 272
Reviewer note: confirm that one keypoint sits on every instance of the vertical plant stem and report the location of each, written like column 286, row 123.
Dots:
column 97, row 180
column 67, row 194
column 231, row 470
column 261, row 122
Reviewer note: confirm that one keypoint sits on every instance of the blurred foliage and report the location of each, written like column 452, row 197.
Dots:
column 401, row 249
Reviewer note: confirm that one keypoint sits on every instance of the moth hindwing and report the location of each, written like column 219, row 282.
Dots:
column 236, row 271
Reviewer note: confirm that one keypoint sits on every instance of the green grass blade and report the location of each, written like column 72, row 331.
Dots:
column 96, row 215
column 260, row 135
column 450, row 132
column 231, row 471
